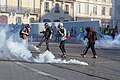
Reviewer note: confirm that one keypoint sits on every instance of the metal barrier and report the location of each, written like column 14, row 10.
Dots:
column 34, row 37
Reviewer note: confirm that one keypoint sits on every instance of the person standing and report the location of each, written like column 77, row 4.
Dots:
column 75, row 31
column 24, row 32
column 57, row 36
column 46, row 36
column 81, row 32
column 91, row 43
column 62, row 33
column 113, row 32
column 107, row 30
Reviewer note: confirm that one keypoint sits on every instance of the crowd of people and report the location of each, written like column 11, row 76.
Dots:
column 111, row 31
column 61, row 35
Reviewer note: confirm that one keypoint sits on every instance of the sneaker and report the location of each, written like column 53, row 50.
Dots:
column 64, row 56
column 83, row 55
column 94, row 56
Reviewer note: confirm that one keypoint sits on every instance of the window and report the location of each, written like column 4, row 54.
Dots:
column 31, row 20
column 32, row 6
column 57, row 8
column 46, row 6
column 110, row 11
column 66, row 9
column 104, row 0
column 95, row 10
column 78, row 8
column 3, row 5
column 18, row 20
column 103, row 10
column 86, row 9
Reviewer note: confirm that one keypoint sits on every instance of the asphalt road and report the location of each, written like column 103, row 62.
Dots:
column 105, row 67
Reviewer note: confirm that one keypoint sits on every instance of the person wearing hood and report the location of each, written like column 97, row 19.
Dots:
column 90, row 44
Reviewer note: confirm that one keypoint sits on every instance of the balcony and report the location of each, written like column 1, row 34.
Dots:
column 19, row 9
column 70, row 0
column 65, row 1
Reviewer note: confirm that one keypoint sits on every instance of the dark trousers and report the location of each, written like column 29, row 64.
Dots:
column 92, row 46
column 62, row 47
column 46, row 41
column 57, row 37
column 113, row 36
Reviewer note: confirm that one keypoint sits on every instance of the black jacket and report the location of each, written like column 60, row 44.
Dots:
column 47, row 33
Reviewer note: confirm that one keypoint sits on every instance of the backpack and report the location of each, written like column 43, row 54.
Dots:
column 67, row 35
column 94, row 35
column 21, row 34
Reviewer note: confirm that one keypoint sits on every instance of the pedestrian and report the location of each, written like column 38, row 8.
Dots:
column 46, row 36
column 113, row 32
column 107, row 30
column 81, row 32
column 75, row 31
column 91, row 42
column 62, row 33
column 24, row 32
column 57, row 36
column 71, row 31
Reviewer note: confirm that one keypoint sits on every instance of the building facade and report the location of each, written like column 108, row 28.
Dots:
column 19, row 11
column 28, row 11
column 57, row 10
column 116, row 13
column 93, row 10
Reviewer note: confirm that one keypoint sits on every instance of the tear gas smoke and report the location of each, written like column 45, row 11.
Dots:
column 104, row 41
column 12, row 45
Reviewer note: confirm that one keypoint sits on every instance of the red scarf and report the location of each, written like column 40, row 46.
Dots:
column 90, row 33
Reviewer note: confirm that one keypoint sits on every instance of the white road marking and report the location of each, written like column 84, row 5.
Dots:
column 105, row 62
column 40, row 72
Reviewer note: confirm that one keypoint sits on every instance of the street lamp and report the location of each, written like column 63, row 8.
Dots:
column 40, row 11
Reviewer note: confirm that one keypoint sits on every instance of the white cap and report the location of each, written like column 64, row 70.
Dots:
column 61, row 24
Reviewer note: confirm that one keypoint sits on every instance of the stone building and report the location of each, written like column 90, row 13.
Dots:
column 29, row 11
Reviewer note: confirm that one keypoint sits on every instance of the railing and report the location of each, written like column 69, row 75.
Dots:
column 4, row 8
column 65, row 0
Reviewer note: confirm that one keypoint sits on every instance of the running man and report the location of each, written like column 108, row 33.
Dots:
column 46, row 36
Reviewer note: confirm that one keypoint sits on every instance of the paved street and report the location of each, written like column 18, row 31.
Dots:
column 105, row 67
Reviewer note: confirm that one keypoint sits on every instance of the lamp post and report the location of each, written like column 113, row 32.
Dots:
column 40, row 11
column 6, row 5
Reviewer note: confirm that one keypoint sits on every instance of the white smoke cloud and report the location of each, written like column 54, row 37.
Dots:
column 48, row 57
column 103, row 42
column 18, row 49
column 12, row 45
column 107, row 42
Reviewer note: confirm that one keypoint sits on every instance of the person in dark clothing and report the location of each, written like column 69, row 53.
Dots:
column 62, row 33
column 46, row 37
column 113, row 32
column 90, row 44
column 24, row 32
column 57, row 36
